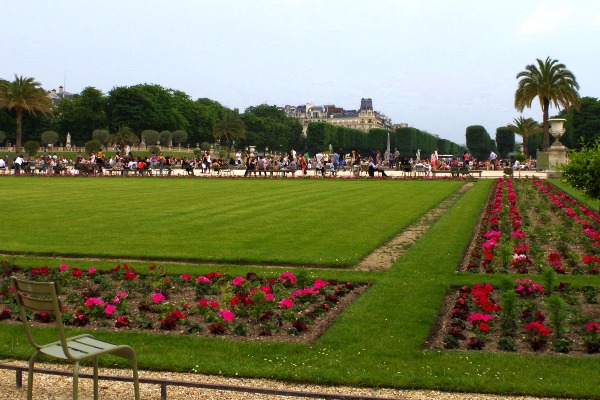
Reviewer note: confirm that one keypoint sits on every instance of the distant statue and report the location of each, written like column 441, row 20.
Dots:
column 68, row 140
column 418, row 154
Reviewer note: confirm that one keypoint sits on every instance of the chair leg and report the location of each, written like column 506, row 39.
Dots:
column 75, row 380
column 136, row 381
column 95, row 378
column 30, row 375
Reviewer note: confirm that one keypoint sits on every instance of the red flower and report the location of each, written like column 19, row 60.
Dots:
column 483, row 327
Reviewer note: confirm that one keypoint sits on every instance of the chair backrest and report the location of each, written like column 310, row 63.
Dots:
column 420, row 168
column 39, row 297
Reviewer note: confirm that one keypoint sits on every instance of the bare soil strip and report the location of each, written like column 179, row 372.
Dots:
column 384, row 256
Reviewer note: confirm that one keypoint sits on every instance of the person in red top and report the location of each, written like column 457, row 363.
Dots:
column 141, row 165
column 466, row 158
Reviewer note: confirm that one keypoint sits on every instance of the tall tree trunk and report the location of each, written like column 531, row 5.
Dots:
column 546, row 125
column 525, row 145
column 18, row 138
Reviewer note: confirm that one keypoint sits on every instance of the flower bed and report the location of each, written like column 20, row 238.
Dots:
column 529, row 225
column 525, row 317
column 285, row 305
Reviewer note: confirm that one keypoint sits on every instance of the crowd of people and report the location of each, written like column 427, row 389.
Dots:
column 322, row 162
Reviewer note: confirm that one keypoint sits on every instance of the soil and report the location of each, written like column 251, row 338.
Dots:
column 384, row 256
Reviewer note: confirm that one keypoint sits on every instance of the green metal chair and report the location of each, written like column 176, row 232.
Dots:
column 43, row 297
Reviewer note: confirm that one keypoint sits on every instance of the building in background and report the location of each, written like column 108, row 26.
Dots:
column 56, row 97
column 364, row 119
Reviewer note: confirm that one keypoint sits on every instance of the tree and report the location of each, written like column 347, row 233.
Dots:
column 583, row 170
column 479, row 142
column 92, row 145
column 81, row 115
column 166, row 138
column 150, row 137
column 123, row 137
column 2, row 138
column 583, row 125
column 24, row 94
column 31, row 148
column 101, row 135
column 505, row 141
column 552, row 84
column 525, row 127
column 180, row 136
column 231, row 127
column 49, row 137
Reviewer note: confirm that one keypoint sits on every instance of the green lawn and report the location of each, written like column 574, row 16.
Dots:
column 377, row 341
column 269, row 221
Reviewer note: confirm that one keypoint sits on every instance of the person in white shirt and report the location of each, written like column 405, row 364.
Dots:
column 238, row 158
column 18, row 164
column 493, row 158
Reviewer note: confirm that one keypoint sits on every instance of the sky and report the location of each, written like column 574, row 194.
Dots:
column 439, row 66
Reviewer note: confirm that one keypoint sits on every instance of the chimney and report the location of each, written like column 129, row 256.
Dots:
column 53, row 92
column 61, row 89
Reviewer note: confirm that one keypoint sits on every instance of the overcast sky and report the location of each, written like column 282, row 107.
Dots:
column 439, row 66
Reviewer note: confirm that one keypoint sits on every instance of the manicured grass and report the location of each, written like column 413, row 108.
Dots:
column 232, row 220
column 378, row 340
column 565, row 187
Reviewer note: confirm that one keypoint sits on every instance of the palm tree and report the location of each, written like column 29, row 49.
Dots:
column 551, row 83
column 230, row 127
column 24, row 94
column 123, row 137
column 525, row 127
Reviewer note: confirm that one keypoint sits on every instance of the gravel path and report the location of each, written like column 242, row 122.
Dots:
column 50, row 387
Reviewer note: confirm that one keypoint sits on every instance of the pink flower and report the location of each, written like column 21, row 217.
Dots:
column 319, row 283
column 91, row 270
column 475, row 317
column 63, row 267
column 265, row 289
column 122, row 294
column 286, row 303
column 158, row 297
column 237, row 281
column 203, row 279
column 287, row 277
column 269, row 296
column 186, row 277
column 592, row 326
column 92, row 301
column 109, row 310
column 227, row 315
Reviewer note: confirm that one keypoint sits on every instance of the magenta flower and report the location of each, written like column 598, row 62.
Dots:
column 109, row 310
column 319, row 283
column 63, row 267
column 92, row 301
column 203, row 279
column 158, row 297
column 286, row 303
column 91, row 270
column 592, row 326
column 186, row 277
column 287, row 277
column 476, row 317
column 237, row 281
column 265, row 289
column 227, row 315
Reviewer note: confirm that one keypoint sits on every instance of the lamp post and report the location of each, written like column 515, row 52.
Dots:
column 557, row 153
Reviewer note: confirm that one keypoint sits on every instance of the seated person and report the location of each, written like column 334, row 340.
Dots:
column 187, row 166
column 373, row 169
